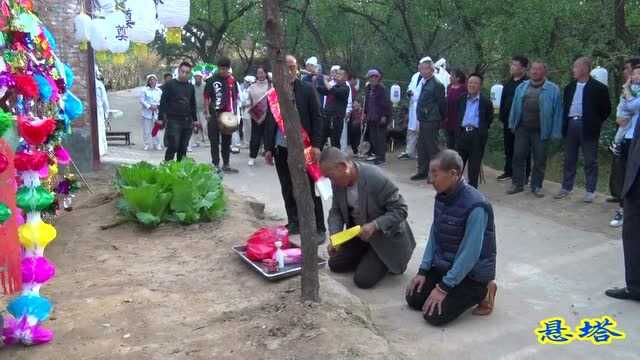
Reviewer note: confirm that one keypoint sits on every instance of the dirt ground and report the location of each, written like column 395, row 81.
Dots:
column 180, row 293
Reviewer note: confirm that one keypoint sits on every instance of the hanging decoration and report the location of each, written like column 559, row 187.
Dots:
column 35, row 177
column 173, row 14
column 174, row 36
column 141, row 22
column 118, row 39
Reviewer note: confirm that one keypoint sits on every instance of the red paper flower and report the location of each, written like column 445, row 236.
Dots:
column 33, row 161
column 4, row 163
column 36, row 132
column 26, row 85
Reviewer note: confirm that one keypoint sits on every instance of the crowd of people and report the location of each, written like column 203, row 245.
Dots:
column 341, row 117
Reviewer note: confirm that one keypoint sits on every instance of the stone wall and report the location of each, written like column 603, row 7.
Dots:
column 58, row 16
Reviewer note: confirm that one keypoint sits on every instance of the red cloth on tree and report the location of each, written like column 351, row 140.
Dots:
column 10, row 258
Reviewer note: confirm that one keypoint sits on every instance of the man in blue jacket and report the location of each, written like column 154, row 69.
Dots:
column 459, row 263
column 536, row 117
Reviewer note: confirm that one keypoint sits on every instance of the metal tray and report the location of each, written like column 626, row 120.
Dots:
column 288, row 271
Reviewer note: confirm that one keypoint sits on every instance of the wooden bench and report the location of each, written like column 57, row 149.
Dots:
column 124, row 136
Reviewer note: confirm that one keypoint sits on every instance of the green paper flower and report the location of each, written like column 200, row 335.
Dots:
column 6, row 121
column 34, row 199
column 5, row 213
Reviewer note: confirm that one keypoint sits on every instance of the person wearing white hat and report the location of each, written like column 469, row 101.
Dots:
column 198, row 131
column 150, row 101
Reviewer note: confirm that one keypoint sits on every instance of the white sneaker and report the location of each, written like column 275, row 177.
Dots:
column 618, row 219
column 589, row 197
column 159, row 147
column 371, row 158
column 146, row 147
column 252, row 162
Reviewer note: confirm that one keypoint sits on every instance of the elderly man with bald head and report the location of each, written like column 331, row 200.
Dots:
column 363, row 195
column 586, row 107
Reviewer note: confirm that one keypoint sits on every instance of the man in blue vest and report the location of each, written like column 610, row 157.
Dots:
column 459, row 263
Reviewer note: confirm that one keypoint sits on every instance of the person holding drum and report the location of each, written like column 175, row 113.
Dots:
column 221, row 101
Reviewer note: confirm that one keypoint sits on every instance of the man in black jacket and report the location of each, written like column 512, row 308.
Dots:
column 432, row 107
column 586, row 107
column 275, row 144
column 518, row 69
column 631, row 226
column 178, row 113
column 337, row 96
column 476, row 113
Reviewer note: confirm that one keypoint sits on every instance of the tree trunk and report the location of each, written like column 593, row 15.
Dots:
column 275, row 43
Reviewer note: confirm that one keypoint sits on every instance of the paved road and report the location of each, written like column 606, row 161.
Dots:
column 555, row 258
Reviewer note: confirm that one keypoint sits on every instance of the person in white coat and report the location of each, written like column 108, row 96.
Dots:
column 150, row 101
column 102, row 103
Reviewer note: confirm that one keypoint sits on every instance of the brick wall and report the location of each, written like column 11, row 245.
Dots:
column 58, row 16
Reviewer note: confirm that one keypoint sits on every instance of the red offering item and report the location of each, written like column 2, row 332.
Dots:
column 36, row 132
column 33, row 161
column 261, row 245
column 156, row 128
column 10, row 250
column 26, row 85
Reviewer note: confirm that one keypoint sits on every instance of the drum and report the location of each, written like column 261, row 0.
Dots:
column 228, row 123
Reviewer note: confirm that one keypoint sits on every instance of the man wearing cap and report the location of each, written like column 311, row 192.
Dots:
column 310, row 69
column 201, row 124
column 336, row 94
column 377, row 112
column 431, row 110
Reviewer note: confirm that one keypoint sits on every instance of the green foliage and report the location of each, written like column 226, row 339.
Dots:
column 183, row 192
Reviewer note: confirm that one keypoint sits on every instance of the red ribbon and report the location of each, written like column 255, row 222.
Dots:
column 313, row 168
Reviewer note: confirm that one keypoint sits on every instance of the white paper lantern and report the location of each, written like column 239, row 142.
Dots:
column 496, row 95
column 82, row 24
column 100, row 34
column 141, row 16
column 106, row 6
column 174, row 13
column 601, row 74
column 118, row 40
column 396, row 94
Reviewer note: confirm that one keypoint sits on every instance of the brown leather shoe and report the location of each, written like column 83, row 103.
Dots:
column 486, row 306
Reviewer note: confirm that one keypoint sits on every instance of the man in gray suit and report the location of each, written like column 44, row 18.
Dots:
column 432, row 107
column 362, row 195
column 631, row 226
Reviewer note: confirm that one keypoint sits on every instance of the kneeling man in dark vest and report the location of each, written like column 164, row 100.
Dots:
column 459, row 263
column 363, row 195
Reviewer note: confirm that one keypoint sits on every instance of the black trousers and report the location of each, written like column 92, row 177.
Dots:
column 618, row 170
column 574, row 142
column 280, row 158
column 357, row 255
column 257, row 137
column 470, row 146
column 336, row 124
column 528, row 141
column 428, row 146
column 509, row 142
column 378, row 139
column 452, row 136
column 353, row 132
column 220, row 143
column 459, row 299
column 176, row 137
column 631, row 237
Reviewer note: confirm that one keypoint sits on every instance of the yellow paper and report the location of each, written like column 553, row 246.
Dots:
column 344, row 236
column 174, row 36
column 119, row 59
column 38, row 234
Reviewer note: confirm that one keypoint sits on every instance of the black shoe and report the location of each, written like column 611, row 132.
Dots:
column 419, row 176
column 404, row 156
column 537, row 193
column 622, row 294
column 514, row 189
column 294, row 229
column 229, row 170
column 379, row 162
column 613, row 199
column 504, row 177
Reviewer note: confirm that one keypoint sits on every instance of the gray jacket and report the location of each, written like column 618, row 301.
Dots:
column 380, row 200
column 432, row 104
